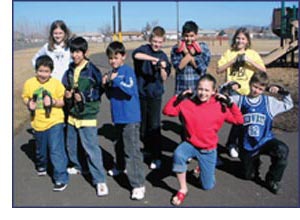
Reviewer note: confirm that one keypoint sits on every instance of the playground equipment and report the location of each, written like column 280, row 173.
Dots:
column 285, row 24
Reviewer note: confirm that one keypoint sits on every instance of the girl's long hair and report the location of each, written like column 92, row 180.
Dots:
column 237, row 32
column 58, row 24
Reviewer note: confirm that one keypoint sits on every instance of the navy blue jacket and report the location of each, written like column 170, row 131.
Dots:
column 150, row 83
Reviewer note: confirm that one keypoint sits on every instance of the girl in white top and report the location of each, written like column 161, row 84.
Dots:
column 57, row 48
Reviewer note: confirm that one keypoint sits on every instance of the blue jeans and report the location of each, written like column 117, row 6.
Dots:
column 128, row 141
column 89, row 140
column 52, row 140
column 206, row 160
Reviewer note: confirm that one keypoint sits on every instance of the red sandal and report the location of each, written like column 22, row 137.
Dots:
column 179, row 197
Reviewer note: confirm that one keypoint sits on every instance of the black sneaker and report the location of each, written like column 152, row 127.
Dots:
column 41, row 171
column 59, row 187
column 273, row 186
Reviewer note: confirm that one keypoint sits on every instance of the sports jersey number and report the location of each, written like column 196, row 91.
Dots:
column 253, row 131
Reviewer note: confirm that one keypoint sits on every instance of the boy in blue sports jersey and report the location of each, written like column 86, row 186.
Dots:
column 256, row 137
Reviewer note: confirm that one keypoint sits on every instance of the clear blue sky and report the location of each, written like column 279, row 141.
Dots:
column 90, row 16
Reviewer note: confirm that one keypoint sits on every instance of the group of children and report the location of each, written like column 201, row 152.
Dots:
column 71, row 96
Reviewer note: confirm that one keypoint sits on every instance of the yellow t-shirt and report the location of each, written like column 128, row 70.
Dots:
column 243, row 74
column 80, row 122
column 56, row 89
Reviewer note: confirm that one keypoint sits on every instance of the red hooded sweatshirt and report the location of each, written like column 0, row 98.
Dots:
column 203, row 121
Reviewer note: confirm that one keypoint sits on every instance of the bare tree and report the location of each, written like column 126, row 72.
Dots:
column 147, row 29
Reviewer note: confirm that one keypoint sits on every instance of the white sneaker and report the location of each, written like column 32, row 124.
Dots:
column 233, row 152
column 73, row 171
column 155, row 164
column 138, row 193
column 102, row 189
column 115, row 172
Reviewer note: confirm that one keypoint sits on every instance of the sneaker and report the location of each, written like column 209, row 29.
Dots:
column 73, row 171
column 189, row 159
column 41, row 171
column 155, row 164
column 59, row 187
column 196, row 171
column 233, row 152
column 115, row 172
column 102, row 189
column 138, row 193
column 273, row 186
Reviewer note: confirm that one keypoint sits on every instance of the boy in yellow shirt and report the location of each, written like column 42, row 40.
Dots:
column 43, row 96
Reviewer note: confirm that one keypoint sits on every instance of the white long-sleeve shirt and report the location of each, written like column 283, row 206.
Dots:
column 61, row 58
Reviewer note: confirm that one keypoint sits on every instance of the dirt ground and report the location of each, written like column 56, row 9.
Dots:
column 286, row 76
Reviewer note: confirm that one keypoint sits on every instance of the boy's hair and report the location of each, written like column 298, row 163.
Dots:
column 157, row 31
column 189, row 26
column 44, row 60
column 210, row 78
column 58, row 24
column 78, row 43
column 260, row 77
column 244, row 31
column 115, row 47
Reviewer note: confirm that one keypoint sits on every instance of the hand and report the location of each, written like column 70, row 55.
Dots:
column 31, row 105
column 188, row 91
column 163, row 64
column 235, row 87
column 154, row 62
column 104, row 79
column 68, row 94
column 224, row 99
column 113, row 75
column 277, row 89
column 182, row 96
column 47, row 100
column 192, row 51
column 77, row 97
column 273, row 89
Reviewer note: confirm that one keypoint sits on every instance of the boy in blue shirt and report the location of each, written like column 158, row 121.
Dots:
column 152, row 68
column 83, row 82
column 256, row 137
column 121, row 89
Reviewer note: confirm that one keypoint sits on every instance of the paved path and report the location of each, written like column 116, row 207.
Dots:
column 29, row 190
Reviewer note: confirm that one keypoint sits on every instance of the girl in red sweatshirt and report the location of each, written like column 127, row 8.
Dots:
column 204, row 114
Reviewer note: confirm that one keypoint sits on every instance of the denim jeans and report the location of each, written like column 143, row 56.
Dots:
column 52, row 140
column 277, row 150
column 150, row 126
column 129, row 148
column 90, row 143
column 206, row 161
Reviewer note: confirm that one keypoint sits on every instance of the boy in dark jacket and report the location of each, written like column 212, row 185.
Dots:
column 152, row 69
column 83, row 82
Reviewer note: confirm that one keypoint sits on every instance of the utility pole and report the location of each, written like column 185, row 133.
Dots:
column 120, row 21
column 114, row 23
column 177, row 16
